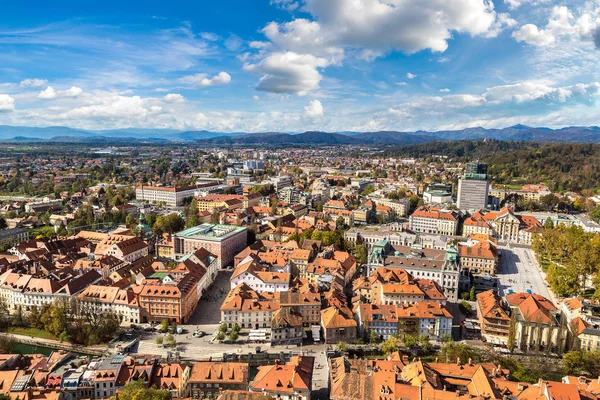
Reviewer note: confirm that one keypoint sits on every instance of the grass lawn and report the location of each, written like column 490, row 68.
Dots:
column 38, row 333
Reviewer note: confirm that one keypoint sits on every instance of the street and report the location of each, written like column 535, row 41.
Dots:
column 518, row 271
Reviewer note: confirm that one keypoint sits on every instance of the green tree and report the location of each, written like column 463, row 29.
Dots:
column 164, row 325
column 342, row 347
column 138, row 391
column 233, row 335
column 391, row 345
column 472, row 294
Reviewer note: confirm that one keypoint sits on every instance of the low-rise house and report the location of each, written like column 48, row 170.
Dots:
column 173, row 377
column 306, row 302
column 291, row 381
column 287, row 327
column 249, row 308
column 258, row 277
column 338, row 324
column 208, row 379
column 174, row 302
column 494, row 318
column 480, row 258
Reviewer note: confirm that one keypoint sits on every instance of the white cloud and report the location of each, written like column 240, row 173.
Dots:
column 74, row 91
column 211, row 37
column 114, row 106
column 7, row 103
column 288, row 5
column 514, row 4
column 288, row 72
column 366, row 29
column 33, row 82
column 446, row 90
column 410, row 76
column 304, row 37
column 401, row 83
column 383, row 25
column 313, row 109
column 49, row 93
column 174, row 98
column 562, row 24
column 202, row 80
column 530, row 34
column 255, row 98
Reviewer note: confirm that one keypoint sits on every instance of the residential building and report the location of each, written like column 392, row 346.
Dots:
column 434, row 220
column 10, row 237
column 259, row 278
column 248, row 308
column 174, row 301
column 129, row 250
column 111, row 299
column 480, row 258
column 209, row 379
column 172, row 377
column 280, row 182
column 287, row 327
column 338, row 325
column 306, row 302
column 290, row 381
column 494, row 318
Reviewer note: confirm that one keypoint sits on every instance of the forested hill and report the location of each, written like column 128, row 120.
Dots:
column 563, row 166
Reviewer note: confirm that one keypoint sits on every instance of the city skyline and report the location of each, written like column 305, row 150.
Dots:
column 293, row 66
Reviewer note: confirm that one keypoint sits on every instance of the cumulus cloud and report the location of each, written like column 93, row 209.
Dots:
column 313, row 109
column 530, row 34
column 33, row 82
column 445, row 90
column 49, row 93
column 288, row 72
column 563, row 24
column 74, row 91
column 202, row 80
column 367, row 29
column 7, row 103
column 407, row 26
column 174, row 98
column 410, row 76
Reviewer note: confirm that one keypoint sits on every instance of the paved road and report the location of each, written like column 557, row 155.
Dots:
column 518, row 270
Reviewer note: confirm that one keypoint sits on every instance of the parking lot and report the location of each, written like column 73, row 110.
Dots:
column 518, row 271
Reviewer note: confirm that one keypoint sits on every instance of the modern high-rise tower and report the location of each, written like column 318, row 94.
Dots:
column 473, row 188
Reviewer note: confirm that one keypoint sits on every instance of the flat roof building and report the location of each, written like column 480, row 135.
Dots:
column 224, row 241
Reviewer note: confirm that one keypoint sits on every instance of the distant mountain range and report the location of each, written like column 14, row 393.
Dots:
column 61, row 134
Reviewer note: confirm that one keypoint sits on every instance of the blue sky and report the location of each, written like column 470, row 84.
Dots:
column 296, row 65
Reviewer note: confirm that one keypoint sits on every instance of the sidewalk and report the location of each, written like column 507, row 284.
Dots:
column 96, row 350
